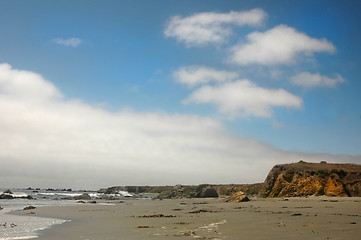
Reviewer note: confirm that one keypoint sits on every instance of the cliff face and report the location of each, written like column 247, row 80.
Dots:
column 286, row 180
column 303, row 179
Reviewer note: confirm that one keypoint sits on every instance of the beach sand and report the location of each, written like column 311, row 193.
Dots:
column 293, row 218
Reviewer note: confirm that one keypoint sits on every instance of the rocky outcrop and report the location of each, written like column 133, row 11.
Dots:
column 29, row 208
column 286, row 180
column 84, row 196
column 7, row 192
column 304, row 179
column 9, row 195
column 191, row 191
column 180, row 191
column 237, row 197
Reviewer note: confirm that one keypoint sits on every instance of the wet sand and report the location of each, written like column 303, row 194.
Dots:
column 293, row 218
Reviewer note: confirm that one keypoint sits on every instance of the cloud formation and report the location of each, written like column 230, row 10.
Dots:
column 196, row 75
column 244, row 98
column 69, row 42
column 209, row 27
column 279, row 45
column 18, row 84
column 55, row 142
column 309, row 80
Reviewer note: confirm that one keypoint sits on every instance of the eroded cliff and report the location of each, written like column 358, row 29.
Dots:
column 303, row 179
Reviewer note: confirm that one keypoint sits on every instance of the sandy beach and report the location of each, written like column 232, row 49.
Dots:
column 290, row 218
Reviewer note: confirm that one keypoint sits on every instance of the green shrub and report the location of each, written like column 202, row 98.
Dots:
column 322, row 173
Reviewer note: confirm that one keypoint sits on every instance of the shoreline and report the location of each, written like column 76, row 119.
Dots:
column 271, row 218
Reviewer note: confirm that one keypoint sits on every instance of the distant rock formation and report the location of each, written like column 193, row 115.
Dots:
column 9, row 195
column 84, row 196
column 7, row 192
column 304, row 179
column 285, row 180
column 189, row 191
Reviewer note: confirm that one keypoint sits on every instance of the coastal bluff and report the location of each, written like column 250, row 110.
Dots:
column 318, row 179
column 284, row 180
column 189, row 191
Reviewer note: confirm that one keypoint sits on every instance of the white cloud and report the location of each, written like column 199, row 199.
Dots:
column 195, row 75
column 69, row 42
column 54, row 142
column 309, row 80
column 244, row 98
column 27, row 85
column 210, row 27
column 279, row 45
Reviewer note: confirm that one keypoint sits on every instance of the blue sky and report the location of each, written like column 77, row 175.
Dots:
column 283, row 75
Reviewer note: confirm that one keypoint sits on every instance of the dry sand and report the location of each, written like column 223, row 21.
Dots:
column 293, row 218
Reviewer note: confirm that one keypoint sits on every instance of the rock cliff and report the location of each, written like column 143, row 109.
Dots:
column 303, row 179
column 189, row 191
column 286, row 180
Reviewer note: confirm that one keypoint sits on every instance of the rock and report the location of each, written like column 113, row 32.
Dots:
column 7, row 192
column 84, row 196
column 143, row 226
column 29, row 208
column 1, row 208
column 205, row 191
column 238, row 197
column 6, row 196
column 27, row 197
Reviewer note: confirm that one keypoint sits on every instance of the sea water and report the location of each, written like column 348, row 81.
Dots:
column 23, row 227
column 14, row 226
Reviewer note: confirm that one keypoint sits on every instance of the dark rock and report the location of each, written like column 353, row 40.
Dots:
column 29, row 197
column 7, row 192
column 206, row 191
column 84, row 196
column 29, row 208
column 112, row 190
column 6, row 196
column 143, row 226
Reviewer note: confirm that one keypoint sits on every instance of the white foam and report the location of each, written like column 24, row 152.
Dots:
column 14, row 227
column 19, row 194
column 125, row 194
column 19, row 238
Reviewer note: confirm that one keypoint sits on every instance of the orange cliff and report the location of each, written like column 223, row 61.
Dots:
column 304, row 179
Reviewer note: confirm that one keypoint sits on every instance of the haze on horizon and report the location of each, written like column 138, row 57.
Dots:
column 96, row 94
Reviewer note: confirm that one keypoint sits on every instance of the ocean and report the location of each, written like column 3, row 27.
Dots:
column 13, row 227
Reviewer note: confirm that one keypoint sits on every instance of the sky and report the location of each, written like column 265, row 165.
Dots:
column 102, row 93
